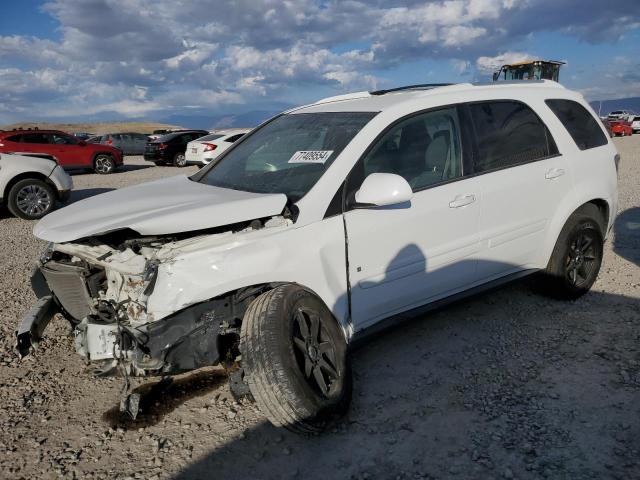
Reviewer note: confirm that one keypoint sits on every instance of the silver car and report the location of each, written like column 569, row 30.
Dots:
column 129, row 142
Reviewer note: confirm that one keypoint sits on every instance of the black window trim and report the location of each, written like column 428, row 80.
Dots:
column 472, row 131
column 464, row 152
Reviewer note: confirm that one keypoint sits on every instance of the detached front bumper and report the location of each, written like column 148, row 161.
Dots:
column 33, row 324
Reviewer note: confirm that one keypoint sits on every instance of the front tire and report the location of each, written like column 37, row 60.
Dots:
column 577, row 256
column 295, row 359
column 104, row 164
column 31, row 199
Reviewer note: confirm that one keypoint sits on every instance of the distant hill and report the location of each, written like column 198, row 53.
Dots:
column 631, row 103
column 98, row 128
column 246, row 119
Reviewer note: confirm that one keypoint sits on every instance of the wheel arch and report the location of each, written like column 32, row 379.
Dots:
column 25, row 176
column 603, row 206
column 101, row 152
column 231, row 306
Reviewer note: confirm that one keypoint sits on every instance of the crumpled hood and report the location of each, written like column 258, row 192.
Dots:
column 170, row 205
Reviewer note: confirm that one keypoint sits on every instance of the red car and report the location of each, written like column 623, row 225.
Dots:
column 621, row 127
column 69, row 151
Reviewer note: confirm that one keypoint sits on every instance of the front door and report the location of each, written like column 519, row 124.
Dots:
column 406, row 255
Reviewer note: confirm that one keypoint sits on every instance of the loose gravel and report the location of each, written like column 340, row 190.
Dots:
column 505, row 385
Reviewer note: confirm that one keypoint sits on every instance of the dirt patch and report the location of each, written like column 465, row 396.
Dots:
column 505, row 385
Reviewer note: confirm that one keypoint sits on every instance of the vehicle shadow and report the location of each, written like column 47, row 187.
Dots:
column 121, row 169
column 159, row 398
column 81, row 194
column 627, row 235
column 506, row 383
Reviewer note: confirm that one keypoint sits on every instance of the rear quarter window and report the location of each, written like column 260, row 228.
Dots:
column 580, row 124
column 508, row 133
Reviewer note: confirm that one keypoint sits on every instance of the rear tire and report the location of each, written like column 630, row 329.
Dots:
column 104, row 164
column 295, row 359
column 31, row 199
column 577, row 256
column 180, row 160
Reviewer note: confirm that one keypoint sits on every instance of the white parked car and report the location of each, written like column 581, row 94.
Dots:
column 326, row 223
column 208, row 148
column 619, row 115
column 30, row 186
column 635, row 123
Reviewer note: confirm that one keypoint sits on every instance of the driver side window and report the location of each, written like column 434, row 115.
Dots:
column 424, row 149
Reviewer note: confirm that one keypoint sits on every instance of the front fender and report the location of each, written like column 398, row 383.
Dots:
column 312, row 256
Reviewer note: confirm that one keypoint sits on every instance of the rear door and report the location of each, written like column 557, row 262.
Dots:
column 522, row 179
column 139, row 141
column 35, row 142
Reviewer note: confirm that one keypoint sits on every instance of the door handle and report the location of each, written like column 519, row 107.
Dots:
column 554, row 173
column 462, row 200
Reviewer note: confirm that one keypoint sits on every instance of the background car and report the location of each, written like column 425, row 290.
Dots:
column 30, row 186
column 205, row 149
column 68, row 151
column 170, row 148
column 618, row 114
column 82, row 135
column 130, row 143
column 635, row 124
column 621, row 128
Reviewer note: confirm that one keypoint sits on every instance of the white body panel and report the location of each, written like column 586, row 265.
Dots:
column 400, row 256
column 170, row 205
column 12, row 165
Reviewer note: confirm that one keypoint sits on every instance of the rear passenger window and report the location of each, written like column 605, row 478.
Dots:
column 580, row 124
column 35, row 138
column 508, row 133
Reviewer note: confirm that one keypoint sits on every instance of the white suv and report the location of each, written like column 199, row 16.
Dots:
column 31, row 185
column 323, row 222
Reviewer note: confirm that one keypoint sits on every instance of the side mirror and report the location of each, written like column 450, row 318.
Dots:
column 382, row 189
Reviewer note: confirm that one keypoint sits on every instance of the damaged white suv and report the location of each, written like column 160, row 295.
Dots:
column 323, row 222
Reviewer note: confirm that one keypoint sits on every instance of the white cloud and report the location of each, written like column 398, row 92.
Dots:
column 490, row 64
column 153, row 57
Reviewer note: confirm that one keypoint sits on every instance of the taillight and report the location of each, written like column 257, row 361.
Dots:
column 109, row 142
column 162, row 146
column 209, row 147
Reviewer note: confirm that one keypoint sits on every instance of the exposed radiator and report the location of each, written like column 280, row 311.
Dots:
column 68, row 284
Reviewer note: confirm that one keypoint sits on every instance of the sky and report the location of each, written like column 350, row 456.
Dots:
column 150, row 59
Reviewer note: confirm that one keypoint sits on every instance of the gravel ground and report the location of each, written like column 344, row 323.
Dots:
column 505, row 385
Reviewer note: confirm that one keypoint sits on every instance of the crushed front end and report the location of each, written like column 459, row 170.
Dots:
column 103, row 285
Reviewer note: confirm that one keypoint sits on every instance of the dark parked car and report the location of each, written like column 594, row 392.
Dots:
column 170, row 148
column 130, row 143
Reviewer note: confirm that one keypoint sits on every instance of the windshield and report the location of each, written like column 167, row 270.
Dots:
column 288, row 155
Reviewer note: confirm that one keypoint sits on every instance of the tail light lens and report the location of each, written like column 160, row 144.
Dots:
column 162, row 146
column 208, row 147
column 109, row 141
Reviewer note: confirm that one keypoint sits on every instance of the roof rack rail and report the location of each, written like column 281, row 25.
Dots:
column 409, row 87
